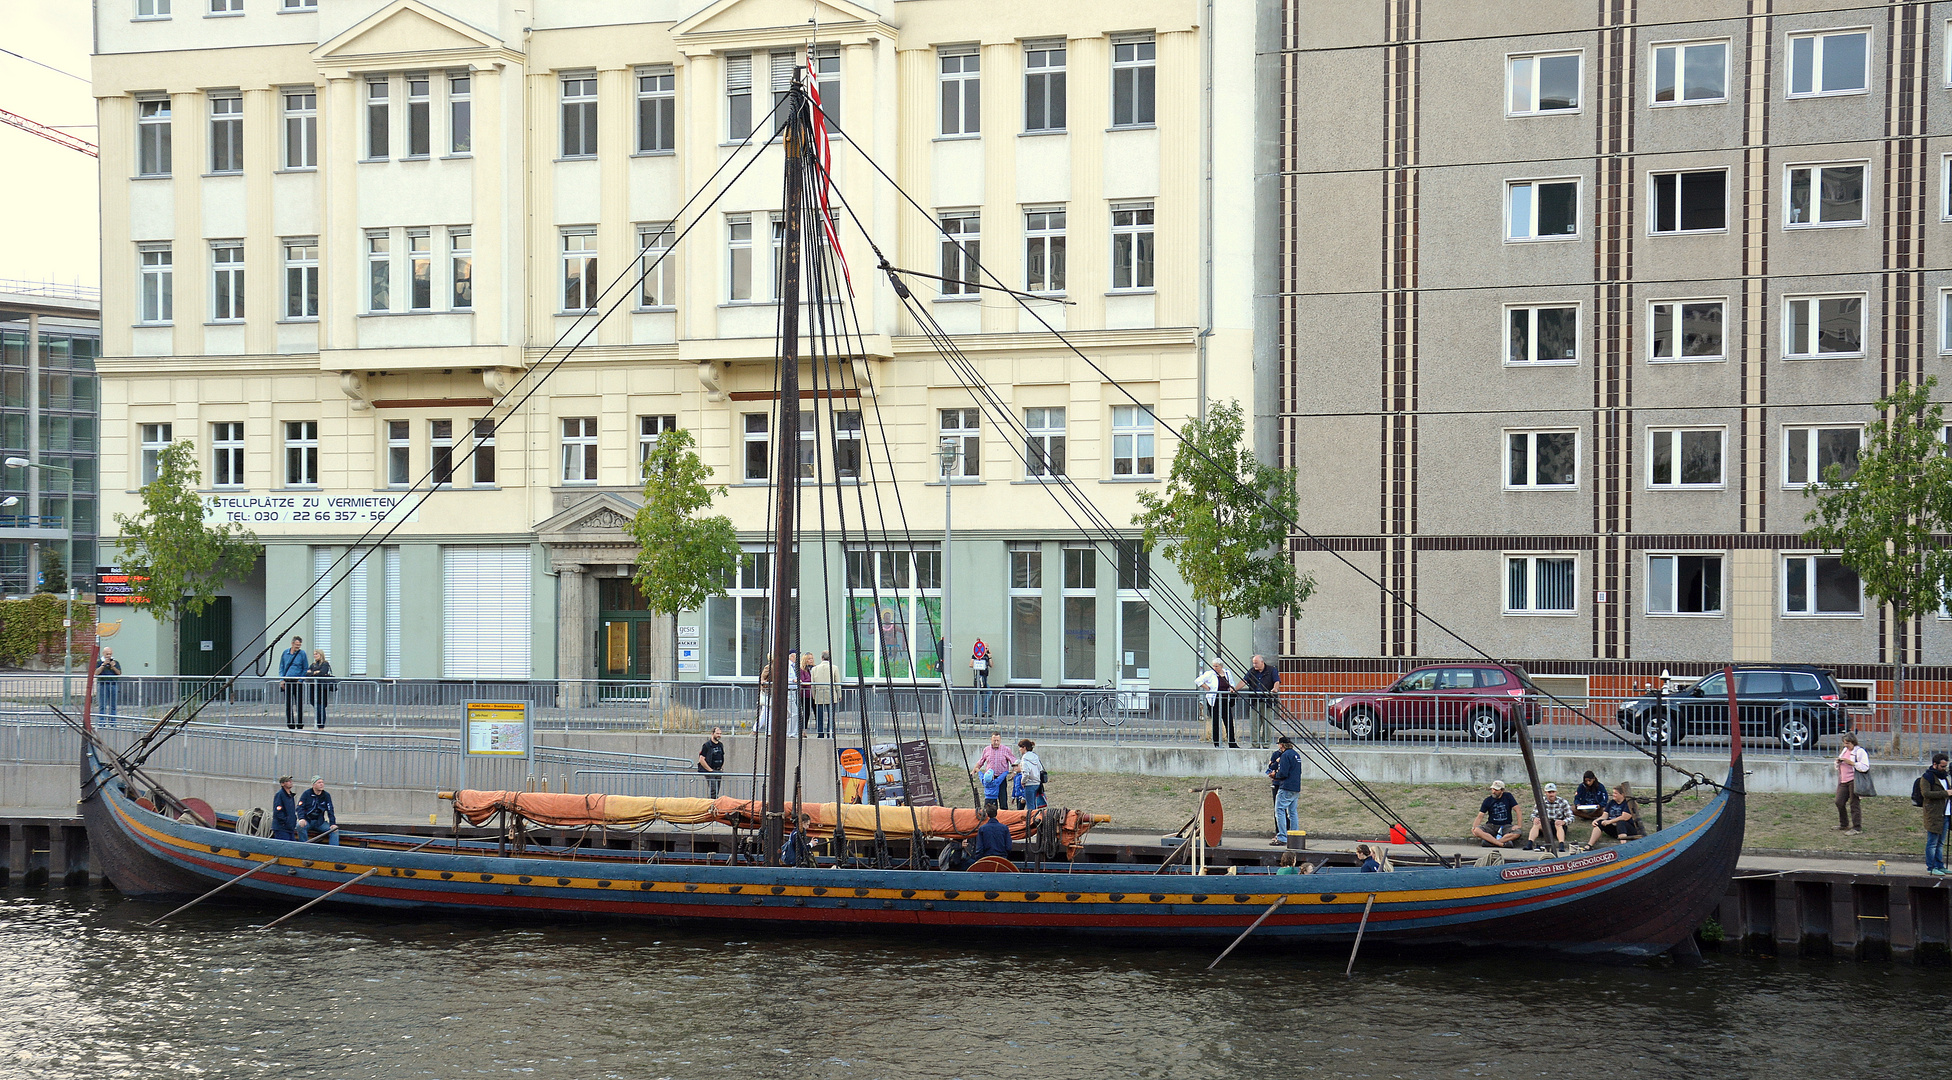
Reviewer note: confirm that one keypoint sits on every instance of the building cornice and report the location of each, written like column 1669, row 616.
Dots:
column 1145, row 338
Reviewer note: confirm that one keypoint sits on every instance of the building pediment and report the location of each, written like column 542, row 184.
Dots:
column 766, row 23
column 599, row 518
column 409, row 33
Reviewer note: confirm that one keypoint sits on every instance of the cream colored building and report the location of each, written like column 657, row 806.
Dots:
column 338, row 233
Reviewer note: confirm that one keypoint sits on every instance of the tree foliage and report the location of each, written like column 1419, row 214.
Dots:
column 31, row 627
column 1223, row 521
column 54, row 572
column 683, row 557
column 185, row 560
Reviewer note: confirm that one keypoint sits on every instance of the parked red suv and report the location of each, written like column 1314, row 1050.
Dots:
column 1485, row 699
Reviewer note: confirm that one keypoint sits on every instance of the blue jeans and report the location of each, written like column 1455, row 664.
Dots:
column 1287, row 813
column 1935, row 851
column 110, row 691
column 305, row 832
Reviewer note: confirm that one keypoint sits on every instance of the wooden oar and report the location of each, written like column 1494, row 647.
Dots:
column 341, row 888
column 273, row 861
column 1243, row 934
column 1360, row 927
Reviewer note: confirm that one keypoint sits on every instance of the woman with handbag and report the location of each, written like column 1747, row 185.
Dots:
column 323, row 684
column 1852, row 762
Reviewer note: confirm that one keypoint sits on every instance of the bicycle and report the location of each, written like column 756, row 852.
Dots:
column 1099, row 703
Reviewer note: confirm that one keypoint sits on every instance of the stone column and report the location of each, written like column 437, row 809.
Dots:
column 572, row 629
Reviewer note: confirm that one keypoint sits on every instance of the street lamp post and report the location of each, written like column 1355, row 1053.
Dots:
column 67, row 614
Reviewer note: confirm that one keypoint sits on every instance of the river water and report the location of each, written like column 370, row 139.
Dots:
column 87, row 991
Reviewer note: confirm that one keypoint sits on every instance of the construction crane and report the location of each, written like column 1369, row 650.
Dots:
column 53, row 135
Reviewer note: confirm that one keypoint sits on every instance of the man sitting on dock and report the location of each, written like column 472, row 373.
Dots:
column 1557, row 811
column 1497, row 821
column 993, row 838
column 1618, row 820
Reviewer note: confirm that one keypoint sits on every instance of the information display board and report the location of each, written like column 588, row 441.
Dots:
column 499, row 729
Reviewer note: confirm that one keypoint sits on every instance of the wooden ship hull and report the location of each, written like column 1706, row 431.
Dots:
column 1635, row 900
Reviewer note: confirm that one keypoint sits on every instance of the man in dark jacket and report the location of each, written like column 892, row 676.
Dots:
column 711, row 762
column 316, row 816
column 1936, row 787
column 284, row 811
column 1260, row 683
column 293, row 666
column 1286, row 775
column 993, row 838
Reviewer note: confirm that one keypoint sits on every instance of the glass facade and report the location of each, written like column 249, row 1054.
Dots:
column 68, row 399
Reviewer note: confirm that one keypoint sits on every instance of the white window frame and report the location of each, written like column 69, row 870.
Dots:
column 1532, row 182
column 227, row 454
column 1680, row 49
column 1512, row 60
column 154, row 140
column 302, row 439
column 825, row 60
column 1138, row 265
column 1078, row 563
column 579, row 456
column 399, row 453
column 1812, row 434
column 301, row 277
column 420, row 270
column 1026, row 563
column 379, row 271
column 657, row 266
column 577, row 96
column 460, row 270
column 1135, row 59
column 964, row 424
column 962, row 254
column 578, row 254
column 420, row 117
column 1041, row 437
column 649, row 427
column 1044, row 229
column 1674, row 437
column 737, row 95
column 440, row 453
column 967, row 62
column 1945, row 321
column 755, row 428
column 1532, row 560
column 848, row 445
column 1532, row 458
column 1810, row 588
column 301, row 126
column 152, row 9
column 460, row 113
column 155, row 284
column 781, row 64
column 1058, row 73
column 227, row 125
column 657, row 110
column 1816, row 53
column 738, row 271
column 1790, row 345
column 481, row 454
column 1532, row 333
column 298, row 5
column 1674, row 586
column 227, row 281
column 378, row 132
column 152, row 439
column 1678, row 316
column 1654, row 203
column 1133, row 443
column 1945, row 174
column 1816, row 169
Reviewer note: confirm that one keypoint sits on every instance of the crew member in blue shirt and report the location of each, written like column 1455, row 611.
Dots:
column 284, row 811
column 293, row 666
column 1286, row 775
column 993, row 838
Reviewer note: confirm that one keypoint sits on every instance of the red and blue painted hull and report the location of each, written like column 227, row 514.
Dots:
column 1634, row 900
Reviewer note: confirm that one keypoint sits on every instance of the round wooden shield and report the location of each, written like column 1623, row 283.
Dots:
column 146, row 805
column 994, row 864
column 1216, row 818
column 200, row 810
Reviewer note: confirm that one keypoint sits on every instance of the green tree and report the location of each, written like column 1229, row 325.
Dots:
column 683, row 557
column 54, row 572
column 186, row 561
column 1885, row 518
column 1224, row 520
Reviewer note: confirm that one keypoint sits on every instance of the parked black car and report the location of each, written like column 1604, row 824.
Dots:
column 1796, row 703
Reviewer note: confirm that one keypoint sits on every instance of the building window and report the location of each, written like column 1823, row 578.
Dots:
column 302, row 278
column 738, row 252
column 962, row 245
column 399, row 451
column 736, row 622
column 1131, row 441
column 1690, row 202
column 1541, row 459
column 1043, row 250
column 227, row 281
column 1684, row 584
column 1812, row 452
column 227, row 454
column 659, row 266
column 420, row 269
column 1691, row 73
column 825, row 60
column 152, row 136
column 1132, row 246
column 301, row 453
column 1543, row 84
column 778, row 254
column 1826, row 195
column 782, row 66
column 379, row 271
column 1687, row 330
column 579, row 270
column 648, row 429
column 156, row 290
column 227, row 130
column 1685, row 458
column 1817, row 326
column 847, row 445
column 299, row 5
column 301, row 129
column 738, row 96
column 226, row 7
column 961, row 79
column 420, row 116
column 1828, row 62
column 1043, row 86
column 484, row 453
column 440, row 451
column 1080, row 613
column 155, row 438
column 579, row 450
column 809, row 454
column 460, row 114
column 1945, row 321
column 1542, row 335
column 460, row 260
column 1540, row 584
column 894, row 612
column 579, row 116
column 965, row 428
column 1820, row 585
column 657, row 111
column 152, row 9
column 1043, row 443
column 758, row 447
column 378, row 120
column 1132, row 81
column 1541, row 209
column 1026, row 612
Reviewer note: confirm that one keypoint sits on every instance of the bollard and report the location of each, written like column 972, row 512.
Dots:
column 1297, row 840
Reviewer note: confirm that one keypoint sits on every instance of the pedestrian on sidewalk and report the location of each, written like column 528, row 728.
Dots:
column 292, row 666
column 1286, row 776
column 1851, row 760
column 993, row 768
column 826, row 692
column 1030, row 775
column 806, row 691
column 711, row 762
column 765, row 723
column 1261, row 704
column 979, row 667
column 1219, row 687
column 1936, row 789
column 108, row 683
column 323, row 686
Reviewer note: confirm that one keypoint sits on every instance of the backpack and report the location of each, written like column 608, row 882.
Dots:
column 1918, row 792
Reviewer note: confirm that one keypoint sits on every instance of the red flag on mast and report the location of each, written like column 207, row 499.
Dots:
column 823, row 153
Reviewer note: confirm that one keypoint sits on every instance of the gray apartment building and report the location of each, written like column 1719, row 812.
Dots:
column 1575, row 297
